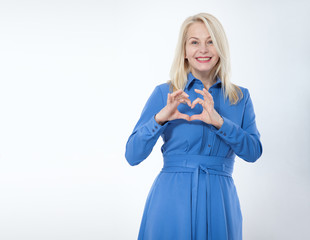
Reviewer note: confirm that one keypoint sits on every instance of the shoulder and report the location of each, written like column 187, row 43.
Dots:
column 245, row 93
column 159, row 93
column 243, row 89
column 162, row 89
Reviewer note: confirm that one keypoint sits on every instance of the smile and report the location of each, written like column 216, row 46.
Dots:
column 206, row 59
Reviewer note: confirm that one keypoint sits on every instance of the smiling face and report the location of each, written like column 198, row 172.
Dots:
column 199, row 50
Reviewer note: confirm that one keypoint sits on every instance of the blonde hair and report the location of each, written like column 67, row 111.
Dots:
column 180, row 66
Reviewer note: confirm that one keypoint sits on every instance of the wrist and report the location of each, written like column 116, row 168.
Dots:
column 219, row 122
column 159, row 120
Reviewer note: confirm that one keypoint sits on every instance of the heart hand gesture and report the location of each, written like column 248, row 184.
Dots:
column 170, row 111
column 209, row 115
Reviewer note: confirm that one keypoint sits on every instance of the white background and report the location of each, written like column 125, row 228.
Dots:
column 74, row 78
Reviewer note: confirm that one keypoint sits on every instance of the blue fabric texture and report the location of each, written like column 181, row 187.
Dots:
column 194, row 196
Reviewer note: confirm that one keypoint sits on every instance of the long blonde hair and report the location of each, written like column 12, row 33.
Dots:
column 180, row 66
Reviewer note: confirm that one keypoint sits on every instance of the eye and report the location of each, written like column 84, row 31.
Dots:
column 210, row 42
column 194, row 42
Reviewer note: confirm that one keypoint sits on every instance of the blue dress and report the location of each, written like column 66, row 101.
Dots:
column 194, row 196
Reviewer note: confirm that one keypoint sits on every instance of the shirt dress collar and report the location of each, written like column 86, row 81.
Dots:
column 191, row 78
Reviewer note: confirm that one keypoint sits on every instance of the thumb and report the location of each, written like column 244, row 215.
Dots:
column 196, row 117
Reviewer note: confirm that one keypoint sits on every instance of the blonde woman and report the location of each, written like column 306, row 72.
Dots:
column 205, row 121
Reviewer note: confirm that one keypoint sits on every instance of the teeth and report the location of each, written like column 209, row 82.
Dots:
column 203, row 59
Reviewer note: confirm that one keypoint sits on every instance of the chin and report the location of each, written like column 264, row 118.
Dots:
column 204, row 70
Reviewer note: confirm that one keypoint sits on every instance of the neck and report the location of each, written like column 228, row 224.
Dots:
column 206, row 79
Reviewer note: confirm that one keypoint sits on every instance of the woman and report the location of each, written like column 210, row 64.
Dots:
column 205, row 121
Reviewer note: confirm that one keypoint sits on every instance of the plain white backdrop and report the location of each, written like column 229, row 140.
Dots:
column 74, row 78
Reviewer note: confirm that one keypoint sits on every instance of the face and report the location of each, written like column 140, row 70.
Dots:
column 199, row 50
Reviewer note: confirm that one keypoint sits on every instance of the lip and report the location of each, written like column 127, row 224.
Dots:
column 205, row 61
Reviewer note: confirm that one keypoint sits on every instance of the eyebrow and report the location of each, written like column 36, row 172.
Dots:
column 198, row 38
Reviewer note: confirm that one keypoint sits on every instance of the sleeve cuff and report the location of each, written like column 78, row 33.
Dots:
column 224, row 129
column 155, row 128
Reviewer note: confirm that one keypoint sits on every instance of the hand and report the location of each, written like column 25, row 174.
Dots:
column 209, row 115
column 170, row 111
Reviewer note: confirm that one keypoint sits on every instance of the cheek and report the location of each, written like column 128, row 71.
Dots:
column 216, row 58
column 188, row 52
column 214, row 52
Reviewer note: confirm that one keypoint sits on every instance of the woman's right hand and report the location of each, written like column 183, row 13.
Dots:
column 170, row 111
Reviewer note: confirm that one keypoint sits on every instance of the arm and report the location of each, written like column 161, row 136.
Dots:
column 245, row 139
column 147, row 131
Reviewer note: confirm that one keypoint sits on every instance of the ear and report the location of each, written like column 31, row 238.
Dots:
column 185, row 53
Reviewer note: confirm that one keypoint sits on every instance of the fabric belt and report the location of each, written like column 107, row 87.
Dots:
column 199, row 164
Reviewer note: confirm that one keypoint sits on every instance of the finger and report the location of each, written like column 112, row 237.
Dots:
column 185, row 94
column 196, row 117
column 177, row 93
column 205, row 91
column 172, row 96
column 182, row 97
column 189, row 103
column 169, row 98
column 197, row 100
column 184, row 116
column 207, row 94
column 209, row 100
column 181, row 100
column 175, row 96
column 201, row 92
column 185, row 100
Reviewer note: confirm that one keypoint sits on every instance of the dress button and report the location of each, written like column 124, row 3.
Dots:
column 221, row 131
column 153, row 130
column 156, row 127
column 224, row 134
column 209, row 145
column 210, row 91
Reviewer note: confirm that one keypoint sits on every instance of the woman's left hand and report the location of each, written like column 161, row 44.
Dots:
column 209, row 115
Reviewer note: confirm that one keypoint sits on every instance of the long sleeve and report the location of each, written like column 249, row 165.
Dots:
column 245, row 139
column 147, row 131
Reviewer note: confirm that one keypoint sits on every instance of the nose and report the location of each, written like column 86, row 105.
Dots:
column 204, row 48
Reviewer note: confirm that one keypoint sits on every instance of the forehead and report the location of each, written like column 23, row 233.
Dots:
column 198, row 30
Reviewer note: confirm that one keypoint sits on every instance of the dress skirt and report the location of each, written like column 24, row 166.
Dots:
column 193, row 198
